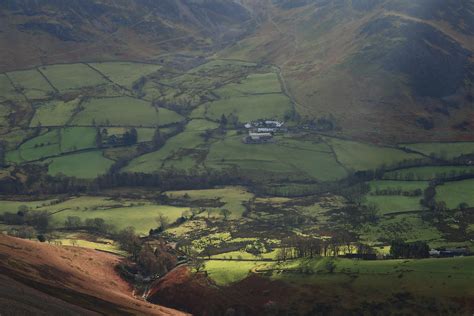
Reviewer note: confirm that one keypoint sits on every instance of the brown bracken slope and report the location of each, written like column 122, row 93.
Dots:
column 42, row 279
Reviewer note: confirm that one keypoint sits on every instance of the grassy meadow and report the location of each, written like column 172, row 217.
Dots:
column 454, row 193
column 54, row 113
column 32, row 83
column 72, row 76
column 125, row 73
column 442, row 150
column 124, row 111
column 429, row 172
column 360, row 156
column 84, row 165
column 231, row 198
column 286, row 156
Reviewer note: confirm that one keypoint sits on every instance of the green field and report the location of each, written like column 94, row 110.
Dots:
column 450, row 277
column 173, row 152
column 454, row 193
column 429, row 172
column 360, row 156
column 141, row 217
column 233, row 198
column 408, row 227
column 7, row 91
column 12, row 206
column 394, row 203
column 124, row 111
column 227, row 272
column 53, row 143
column 82, row 203
column 251, row 107
column 253, row 84
column 121, row 213
column 394, row 185
column 221, row 63
column 85, row 165
column 72, row 76
column 233, row 255
column 36, row 148
column 54, row 113
column 102, row 244
column 33, row 84
column 443, row 150
column 289, row 156
column 76, row 138
column 125, row 73
column 144, row 134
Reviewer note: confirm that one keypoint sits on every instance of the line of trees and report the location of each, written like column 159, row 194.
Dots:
column 151, row 259
column 310, row 247
column 37, row 219
column 415, row 250
column 398, row 191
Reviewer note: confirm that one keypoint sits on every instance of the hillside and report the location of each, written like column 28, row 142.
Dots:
column 387, row 70
column 46, row 32
column 42, row 279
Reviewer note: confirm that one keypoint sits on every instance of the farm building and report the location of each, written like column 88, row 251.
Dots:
column 276, row 124
column 258, row 138
column 266, row 130
column 261, row 124
column 453, row 252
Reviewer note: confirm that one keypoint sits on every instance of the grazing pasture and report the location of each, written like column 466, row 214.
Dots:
column 12, row 206
column 442, row 150
column 7, row 90
column 429, row 172
column 54, row 113
column 124, row 111
column 230, row 271
column 54, row 142
column 89, row 241
column 40, row 147
column 84, row 165
column 397, row 185
column 441, row 278
column 32, row 83
column 76, row 138
column 394, row 203
column 251, row 107
column 254, row 84
column 361, row 156
column 72, row 76
column 454, row 193
column 408, row 227
column 232, row 198
column 141, row 217
column 218, row 64
column 287, row 156
column 121, row 213
column 125, row 73
column 174, row 149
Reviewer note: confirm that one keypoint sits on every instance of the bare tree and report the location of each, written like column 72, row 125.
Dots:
column 163, row 221
column 225, row 213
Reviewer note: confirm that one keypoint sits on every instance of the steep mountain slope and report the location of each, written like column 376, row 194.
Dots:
column 42, row 32
column 387, row 70
column 42, row 279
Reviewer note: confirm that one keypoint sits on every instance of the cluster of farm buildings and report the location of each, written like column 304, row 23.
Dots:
column 262, row 131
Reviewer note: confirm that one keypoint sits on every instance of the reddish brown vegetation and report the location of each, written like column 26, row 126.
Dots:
column 81, row 281
column 197, row 294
